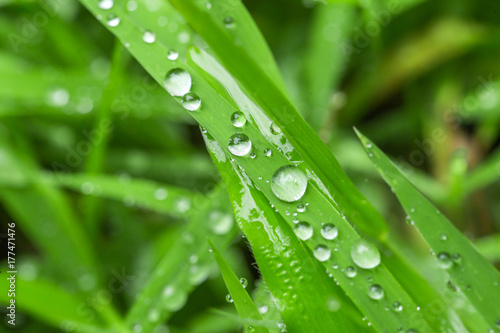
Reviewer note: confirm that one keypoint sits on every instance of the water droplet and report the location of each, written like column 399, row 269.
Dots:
column 443, row 260
column 191, row 101
column 263, row 309
column 87, row 188
column 275, row 129
column 238, row 119
column 172, row 55
column 289, row 183
column 250, row 328
column 457, row 258
column 398, row 307
column 228, row 22
column 333, row 304
column 443, row 237
column 239, row 144
column 268, row 152
column 375, row 292
column 409, row 221
column 153, row 315
column 58, row 97
column 322, row 252
column 113, row 20
column 244, row 282
column 106, row 4
column 329, row 231
column 365, row 254
column 219, row 222
column 177, row 82
column 149, row 36
column 350, row 272
column 301, row 208
column 229, row 298
column 161, row 194
column 303, row 230
column 131, row 5
column 253, row 155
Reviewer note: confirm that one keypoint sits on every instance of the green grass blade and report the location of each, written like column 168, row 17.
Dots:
column 242, row 301
column 161, row 198
column 470, row 271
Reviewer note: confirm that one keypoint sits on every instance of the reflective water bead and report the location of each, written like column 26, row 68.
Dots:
column 375, row 292
column 398, row 307
column 289, row 183
column 228, row 22
column 191, row 101
column 365, row 254
column 350, row 272
column 329, row 231
column 172, row 55
column 267, row 152
column 301, row 208
column 275, row 129
column 149, row 37
column 105, row 4
column 244, row 282
column 322, row 252
column 238, row 119
column 113, row 20
column 443, row 260
column 177, row 82
column 229, row 298
column 239, row 144
column 303, row 230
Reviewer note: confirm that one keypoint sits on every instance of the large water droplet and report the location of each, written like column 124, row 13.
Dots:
column 239, row 144
column 303, row 230
column 191, row 101
column 177, row 82
column 238, row 119
column 365, row 254
column 289, row 183
column 375, row 292
column 322, row 252
column 106, row 4
column 443, row 260
column 329, row 231
column 149, row 36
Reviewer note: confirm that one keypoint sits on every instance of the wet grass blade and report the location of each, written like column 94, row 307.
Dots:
column 161, row 198
column 468, row 269
column 239, row 296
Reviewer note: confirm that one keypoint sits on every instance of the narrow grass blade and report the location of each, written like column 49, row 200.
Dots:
column 160, row 198
column 242, row 301
column 469, row 270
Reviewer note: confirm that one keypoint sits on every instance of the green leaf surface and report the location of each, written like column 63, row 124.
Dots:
column 468, row 269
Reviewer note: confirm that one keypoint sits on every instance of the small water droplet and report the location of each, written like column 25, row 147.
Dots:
column 333, row 304
column 238, row 119
column 228, row 22
column 172, row 55
column 191, row 101
column 409, row 221
column 131, row 5
column 161, row 194
column 301, row 208
column 443, row 237
column 106, row 4
column 365, row 254
column 457, row 258
column 375, row 292
column 149, row 36
column 303, row 230
column 229, row 298
column 113, row 20
column 267, row 152
column 58, row 97
column 398, row 307
column 289, row 183
column 250, row 328
column 275, row 129
column 322, row 252
column 329, row 231
column 244, row 282
column 239, row 144
column 177, row 82
column 443, row 260
column 263, row 309
column 253, row 155
column 350, row 272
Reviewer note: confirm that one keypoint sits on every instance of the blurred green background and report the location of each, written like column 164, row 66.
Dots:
column 420, row 78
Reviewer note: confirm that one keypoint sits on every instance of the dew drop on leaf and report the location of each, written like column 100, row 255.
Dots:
column 289, row 183
column 350, row 272
column 113, row 20
column 238, row 119
column 275, row 129
column 149, row 37
column 329, row 231
column 244, row 282
column 443, row 260
column 106, row 4
column 228, row 22
column 375, row 292
column 191, row 101
column 365, row 254
column 239, row 144
column 177, row 82
column 303, row 230
column 398, row 307
column 322, row 252
column 229, row 298
column 267, row 152
column 333, row 304
column 161, row 194
column 172, row 55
